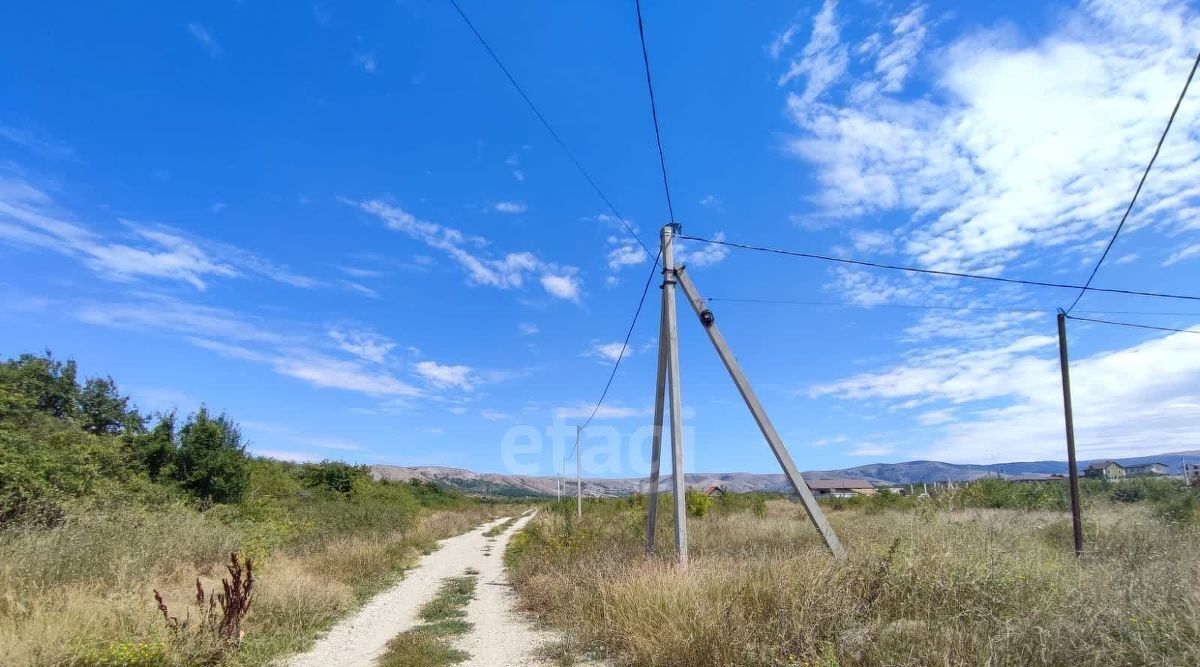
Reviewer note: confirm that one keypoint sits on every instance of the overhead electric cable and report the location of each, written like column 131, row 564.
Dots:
column 662, row 160
column 935, row 272
column 624, row 345
column 545, row 123
column 926, row 306
column 1131, row 324
column 1142, row 182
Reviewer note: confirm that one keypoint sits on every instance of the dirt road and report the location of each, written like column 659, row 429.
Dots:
column 500, row 637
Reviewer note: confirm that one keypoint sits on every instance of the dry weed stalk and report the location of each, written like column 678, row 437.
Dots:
column 234, row 600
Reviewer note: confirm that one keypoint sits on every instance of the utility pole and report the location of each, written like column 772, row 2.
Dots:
column 578, row 479
column 678, row 485
column 1072, row 469
column 708, row 320
column 656, row 441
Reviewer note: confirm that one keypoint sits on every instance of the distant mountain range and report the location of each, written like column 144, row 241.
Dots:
column 909, row 472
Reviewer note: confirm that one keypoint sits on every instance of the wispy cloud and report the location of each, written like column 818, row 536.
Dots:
column 205, row 39
column 505, row 272
column 1021, row 145
column 30, row 218
column 610, row 352
column 366, row 62
column 38, row 141
column 511, row 207
column 362, row 343
column 446, row 376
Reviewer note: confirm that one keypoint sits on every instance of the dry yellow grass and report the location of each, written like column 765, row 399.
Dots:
column 925, row 587
column 88, row 582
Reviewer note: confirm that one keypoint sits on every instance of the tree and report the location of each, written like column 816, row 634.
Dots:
column 211, row 462
column 49, row 383
column 101, row 408
column 156, row 450
column 332, row 476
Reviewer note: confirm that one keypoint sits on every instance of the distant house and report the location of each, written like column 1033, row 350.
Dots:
column 1147, row 470
column 1191, row 473
column 840, row 488
column 714, row 490
column 1105, row 470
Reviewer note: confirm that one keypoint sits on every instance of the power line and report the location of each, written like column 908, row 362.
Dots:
column 625, row 344
column 545, row 123
column 925, row 306
column 935, row 272
column 1142, row 182
column 1131, row 324
column 662, row 161
column 849, row 304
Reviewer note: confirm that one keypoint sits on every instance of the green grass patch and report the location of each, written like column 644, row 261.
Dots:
column 500, row 528
column 428, row 645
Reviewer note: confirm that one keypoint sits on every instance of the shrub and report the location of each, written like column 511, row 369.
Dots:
column 211, row 463
column 698, row 504
column 332, row 476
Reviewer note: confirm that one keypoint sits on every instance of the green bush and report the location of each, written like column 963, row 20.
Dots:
column 124, row 654
column 332, row 476
column 698, row 504
column 211, row 462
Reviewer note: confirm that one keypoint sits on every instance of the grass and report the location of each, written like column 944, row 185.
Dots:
column 923, row 585
column 428, row 645
column 499, row 528
column 80, row 593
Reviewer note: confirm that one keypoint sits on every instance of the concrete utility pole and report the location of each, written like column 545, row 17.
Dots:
column 656, row 442
column 678, row 485
column 760, row 415
column 668, row 385
column 1072, row 469
column 578, row 479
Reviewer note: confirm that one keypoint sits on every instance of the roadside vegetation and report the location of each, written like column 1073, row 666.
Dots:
column 429, row 644
column 981, row 575
column 101, row 506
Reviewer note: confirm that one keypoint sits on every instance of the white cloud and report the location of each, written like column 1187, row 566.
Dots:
column 583, row 411
column 710, row 201
column 528, row 328
column 872, row 241
column 696, row 254
column 782, row 41
column 38, row 141
column 824, row 58
column 950, row 373
column 1136, row 400
column 898, row 56
column 507, row 272
column 445, row 376
column 205, row 39
column 626, row 254
column 563, row 287
column 366, row 62
column 1180, row 255
column 494, row 415
column 511, row 207
column 1021, row 142
column 610, row 352
column 366, row 345
column 29, row 217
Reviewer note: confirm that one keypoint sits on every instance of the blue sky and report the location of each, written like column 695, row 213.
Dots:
column 343, row 226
